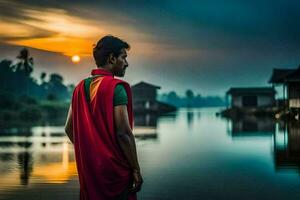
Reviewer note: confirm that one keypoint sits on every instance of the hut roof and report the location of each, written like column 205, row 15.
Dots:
column 143, row 84
column 285, row 75
column 295, row 76
column 250, row 90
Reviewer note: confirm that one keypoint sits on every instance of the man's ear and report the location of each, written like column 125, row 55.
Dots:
column 111, row 59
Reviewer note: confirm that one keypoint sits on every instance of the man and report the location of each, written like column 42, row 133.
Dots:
column 99, row 124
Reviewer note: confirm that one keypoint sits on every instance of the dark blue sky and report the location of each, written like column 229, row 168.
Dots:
column 208, row 46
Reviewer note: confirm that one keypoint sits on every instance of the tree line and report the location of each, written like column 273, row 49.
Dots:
column 16, row 80
column 190, row 99
column 24, row 99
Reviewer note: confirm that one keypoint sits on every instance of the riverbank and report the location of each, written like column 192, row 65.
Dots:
column 29, row 112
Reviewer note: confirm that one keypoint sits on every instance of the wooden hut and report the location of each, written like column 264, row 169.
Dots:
column 144, row 99
column 251, row 97
column 144, row 96
column 290, row 80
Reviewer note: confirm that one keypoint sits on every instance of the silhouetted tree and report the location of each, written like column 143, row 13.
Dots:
column 43, row 76
column 56, row 87
column 26, row 63
column 173, row 99
column 6, row 75
column 21, row 80
column 16, row 79
column 189, row 96
column 190, row 100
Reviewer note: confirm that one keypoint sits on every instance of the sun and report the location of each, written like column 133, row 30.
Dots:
column 75, row 59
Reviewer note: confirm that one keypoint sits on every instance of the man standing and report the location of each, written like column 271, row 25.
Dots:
column 99, row 124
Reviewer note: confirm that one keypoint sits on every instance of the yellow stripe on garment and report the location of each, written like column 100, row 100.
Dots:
column 94, row 86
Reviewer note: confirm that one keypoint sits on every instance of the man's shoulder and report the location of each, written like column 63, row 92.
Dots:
column 117, row 81
column 79, row 85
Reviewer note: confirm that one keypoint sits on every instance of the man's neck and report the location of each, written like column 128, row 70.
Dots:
column 106, row 68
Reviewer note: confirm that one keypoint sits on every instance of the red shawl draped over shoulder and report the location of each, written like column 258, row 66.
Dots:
column 104, row 172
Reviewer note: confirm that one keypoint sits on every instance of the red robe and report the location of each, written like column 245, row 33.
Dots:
column 104, row 173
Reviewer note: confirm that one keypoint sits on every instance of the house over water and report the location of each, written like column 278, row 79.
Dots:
column 290, row 80
column 251, row 97
column 144, row 99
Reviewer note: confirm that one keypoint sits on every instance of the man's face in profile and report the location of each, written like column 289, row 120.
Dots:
column 121, row 64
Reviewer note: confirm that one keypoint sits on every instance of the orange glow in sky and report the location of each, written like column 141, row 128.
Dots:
column 54, row 30
column 61, row 44
column 57, row 31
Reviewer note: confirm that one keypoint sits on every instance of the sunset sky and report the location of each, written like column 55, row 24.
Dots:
column 208, row 45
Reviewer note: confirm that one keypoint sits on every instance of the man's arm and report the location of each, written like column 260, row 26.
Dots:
column 127, row 143
column 69, row 124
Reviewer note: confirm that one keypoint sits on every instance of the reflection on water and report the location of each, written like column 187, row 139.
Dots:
column 145, row 126
column 251, row 126
column 285, row 136
column 191, row 150
column 25, row 164
column 189, row 116
column 287, row 147
column 34, row 156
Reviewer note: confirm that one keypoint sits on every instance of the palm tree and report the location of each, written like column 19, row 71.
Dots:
column 26, row 62
column 23, row 69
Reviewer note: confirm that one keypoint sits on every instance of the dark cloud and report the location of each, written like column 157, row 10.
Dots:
column 12, row 12
column 241, row 40
column 199, row 24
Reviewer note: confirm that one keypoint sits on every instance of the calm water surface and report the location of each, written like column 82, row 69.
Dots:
column 192, row 154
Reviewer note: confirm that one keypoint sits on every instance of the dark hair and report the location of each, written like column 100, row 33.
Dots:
column 107, row 45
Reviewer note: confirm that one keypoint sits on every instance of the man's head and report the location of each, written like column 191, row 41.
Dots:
column 110, row 53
